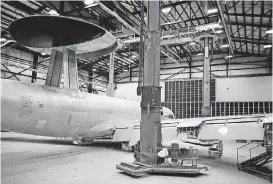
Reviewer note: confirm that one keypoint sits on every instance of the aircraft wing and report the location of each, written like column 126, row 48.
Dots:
column 240, row 128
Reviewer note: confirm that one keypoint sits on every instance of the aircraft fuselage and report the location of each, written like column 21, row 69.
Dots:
column 50, row 111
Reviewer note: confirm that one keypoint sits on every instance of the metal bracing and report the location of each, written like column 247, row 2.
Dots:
column 247, row 21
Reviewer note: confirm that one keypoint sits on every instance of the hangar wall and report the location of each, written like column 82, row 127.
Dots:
column 242, row 73
column 184, row 98
column 244, row 89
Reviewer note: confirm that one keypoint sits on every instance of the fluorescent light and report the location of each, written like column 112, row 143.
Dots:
column 230, row 56
column 267, row 46
column 200, row 54
column 88, row 2
column 134, row 57
column 125, row 70
column 269, row 31
column 192, row 43
column 166, row 10
column 53, row 12
column 211, row 11
column 219, row 31
column 43, row 54
column 225, row 46
column 91, row 5
column 3, row 40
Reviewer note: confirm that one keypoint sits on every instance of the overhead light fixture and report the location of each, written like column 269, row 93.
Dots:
column 43, row 53
column 92, row 5
column 225, row 46
column 229, row 56
column 200, row 54
column 269, row 31
column 267, row 46
column 166, row 10
column 219, row 31
column 192, row 43
column 211, row 11
column 88, row 2
column 53, row 12
column 126, row 70
column 134, row 57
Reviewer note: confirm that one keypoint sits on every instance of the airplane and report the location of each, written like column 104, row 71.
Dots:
column 62, row 112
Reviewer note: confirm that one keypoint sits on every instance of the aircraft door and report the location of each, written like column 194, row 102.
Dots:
column 25, row 107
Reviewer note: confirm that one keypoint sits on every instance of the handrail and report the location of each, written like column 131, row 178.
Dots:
column 254, row 148
column 238, row 151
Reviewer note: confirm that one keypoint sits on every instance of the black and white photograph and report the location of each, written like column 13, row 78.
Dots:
column 136, row 91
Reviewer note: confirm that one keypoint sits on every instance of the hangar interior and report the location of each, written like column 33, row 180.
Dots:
column 215, row 61
column 237, row 82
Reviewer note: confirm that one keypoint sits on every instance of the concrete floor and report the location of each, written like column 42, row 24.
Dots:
column 32, row 159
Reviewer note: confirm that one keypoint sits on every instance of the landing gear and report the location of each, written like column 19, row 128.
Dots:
column 125, row 146
column 82, row 141
column 216, row 150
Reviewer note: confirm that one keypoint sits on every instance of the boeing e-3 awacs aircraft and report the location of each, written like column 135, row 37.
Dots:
column 61, row 112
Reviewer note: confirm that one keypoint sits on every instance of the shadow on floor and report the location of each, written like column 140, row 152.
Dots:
column 114, row 146
column 40, row 141
column 171, row 175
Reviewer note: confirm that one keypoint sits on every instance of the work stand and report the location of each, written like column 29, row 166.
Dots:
column 178, row 161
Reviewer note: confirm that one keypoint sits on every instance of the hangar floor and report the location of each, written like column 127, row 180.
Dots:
column 31, row 159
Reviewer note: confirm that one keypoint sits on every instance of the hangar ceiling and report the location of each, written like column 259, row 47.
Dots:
column 246, row 23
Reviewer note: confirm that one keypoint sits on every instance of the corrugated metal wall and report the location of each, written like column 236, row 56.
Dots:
column 230, row 96
column 185, row 97
column 244, row 89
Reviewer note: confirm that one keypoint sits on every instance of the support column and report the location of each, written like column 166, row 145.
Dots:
column 55, row 68
column 227, row 63
column 206, row 79
column 34, row 67
column 130, row 74
column 70, row 69
column 150, row 127
column 190, row 65
column 270, row 64
column 90, row 76
column 110, row 87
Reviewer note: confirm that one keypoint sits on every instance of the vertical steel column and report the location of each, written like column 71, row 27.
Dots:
column 141, row 50
column 54, row 69
column 90, row 76
column 34, row 67
column 206, row 79
column 150, row 127
column 110, row 87
column 70, row 69
column 190, row 66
